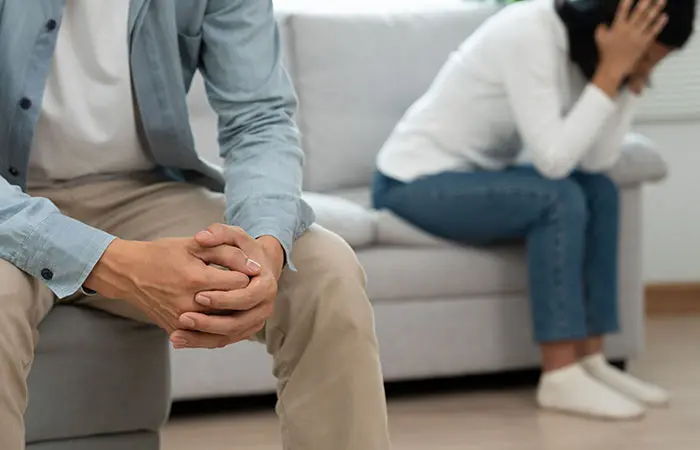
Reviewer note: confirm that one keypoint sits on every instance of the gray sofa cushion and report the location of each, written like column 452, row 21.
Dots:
column 351, row 221
column 405, row 273
column 639, row 162
column 350, row 96
column 96, row 374
column 389, row 228
column 393, row 230
column 130, row 441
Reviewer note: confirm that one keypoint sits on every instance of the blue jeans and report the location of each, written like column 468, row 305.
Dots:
column 570, row 226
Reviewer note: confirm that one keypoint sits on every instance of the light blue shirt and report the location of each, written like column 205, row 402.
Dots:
column 236, row 46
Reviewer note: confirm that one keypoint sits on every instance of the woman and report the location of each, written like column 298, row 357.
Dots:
column 561, row 79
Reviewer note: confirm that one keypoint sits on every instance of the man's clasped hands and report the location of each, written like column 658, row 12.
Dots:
column 206, row 291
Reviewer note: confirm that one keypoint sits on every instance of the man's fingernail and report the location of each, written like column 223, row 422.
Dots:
column 204, row 234
column 187, row 321
column 203, row 300
column 252, row 265
column 178, row 342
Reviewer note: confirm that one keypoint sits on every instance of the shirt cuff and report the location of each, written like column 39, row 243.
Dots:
column 62, row 252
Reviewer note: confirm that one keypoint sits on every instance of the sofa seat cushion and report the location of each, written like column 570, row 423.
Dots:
column 351, row 221
column 96, row 374
column 393, row 230
column 390, row 229
column 418, row 273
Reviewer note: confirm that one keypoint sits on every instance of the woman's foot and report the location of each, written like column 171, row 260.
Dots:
column 572, row 390
column 599, row 368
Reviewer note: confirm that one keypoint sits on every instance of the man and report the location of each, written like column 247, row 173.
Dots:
column 102, row 193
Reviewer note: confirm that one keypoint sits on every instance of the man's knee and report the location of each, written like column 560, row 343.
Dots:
column 330, row 278
column 320, row 254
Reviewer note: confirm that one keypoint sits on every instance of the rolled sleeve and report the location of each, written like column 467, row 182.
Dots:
column 258, row 137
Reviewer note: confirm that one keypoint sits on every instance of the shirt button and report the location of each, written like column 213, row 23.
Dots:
column 51, row 25
column 25, row 103
column 46, row 274
column 13, row 171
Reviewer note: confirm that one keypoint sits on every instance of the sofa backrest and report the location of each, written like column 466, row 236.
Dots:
column 357, row 73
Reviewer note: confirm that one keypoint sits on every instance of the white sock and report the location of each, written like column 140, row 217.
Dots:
column 572, row 390
column 599, row 368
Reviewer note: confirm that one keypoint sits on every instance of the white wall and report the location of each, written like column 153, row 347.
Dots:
column 672, row 207
column 670, row 116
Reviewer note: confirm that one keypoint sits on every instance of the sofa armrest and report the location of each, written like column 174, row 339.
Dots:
column 639, row 162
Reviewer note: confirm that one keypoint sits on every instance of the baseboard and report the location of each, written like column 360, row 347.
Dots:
column 677, row 299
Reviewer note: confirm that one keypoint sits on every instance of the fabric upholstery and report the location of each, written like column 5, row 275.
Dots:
column 96, row 374
column 350, row 96
column 398, row 273
column 393, row 230
column 390, row 229
column 640, row 162
column 475, row 335
column 142, row 440
column 354, row 223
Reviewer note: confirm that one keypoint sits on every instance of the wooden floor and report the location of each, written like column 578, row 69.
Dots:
column 502, row 419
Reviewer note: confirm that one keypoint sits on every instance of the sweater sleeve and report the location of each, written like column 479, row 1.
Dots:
column 557, row 142
column 606, row 150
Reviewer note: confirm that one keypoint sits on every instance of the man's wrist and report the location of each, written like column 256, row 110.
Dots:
column 275, row 253
column 101, row 278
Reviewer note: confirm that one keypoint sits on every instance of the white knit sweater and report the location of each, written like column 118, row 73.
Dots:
column 510, row 86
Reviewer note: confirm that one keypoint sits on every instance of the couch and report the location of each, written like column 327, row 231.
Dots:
column 98, row 382
column 441, row 309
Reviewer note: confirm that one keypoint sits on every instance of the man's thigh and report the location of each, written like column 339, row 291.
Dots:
column 24, row 302
column 146, row 212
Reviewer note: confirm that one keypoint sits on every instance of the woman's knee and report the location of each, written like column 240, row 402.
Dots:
column 567, row 200
column 329, row 284
column 602, row 193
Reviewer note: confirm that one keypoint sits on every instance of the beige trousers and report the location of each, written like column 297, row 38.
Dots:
column 321, row 335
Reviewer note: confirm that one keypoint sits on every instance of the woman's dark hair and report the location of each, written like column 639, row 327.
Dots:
column 582, row 17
